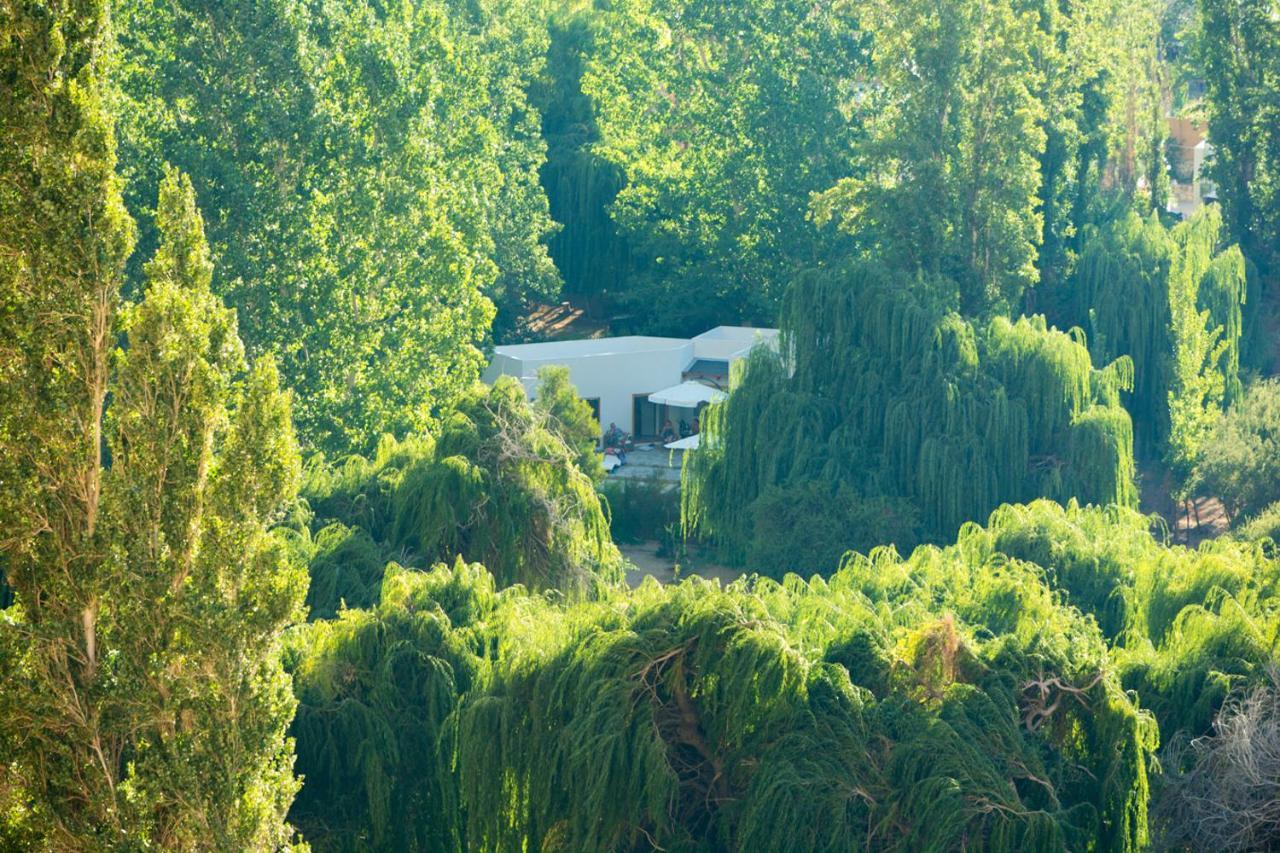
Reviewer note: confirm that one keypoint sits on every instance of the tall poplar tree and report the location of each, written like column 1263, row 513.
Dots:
column 1239, row 51
column 144, row 702
column 947, row 182
column 64, row 237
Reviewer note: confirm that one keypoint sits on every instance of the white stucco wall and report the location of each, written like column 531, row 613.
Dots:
column 615, row 370
column 612, row 377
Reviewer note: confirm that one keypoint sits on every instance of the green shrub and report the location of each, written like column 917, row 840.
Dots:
column 569, row 417
column 810, row 527
column 1264, row 525
column 641, row 510
column 1241, row 462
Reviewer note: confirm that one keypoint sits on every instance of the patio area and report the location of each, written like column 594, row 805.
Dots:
column 650, row 460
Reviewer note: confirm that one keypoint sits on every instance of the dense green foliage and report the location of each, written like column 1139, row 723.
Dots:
column 356, row 240
column 144, row 699
column 1172, row 300
column 388, row 678
column 879, row 393
column 687, row 139
column 1003, row 121
column 1239, row 51
column 950, row 135
column 1240, row 462
column 1187, row 626
column 497, row 484
column 893, row 182
column 967, row 696
column 1264, row 525
column 724, row 118
column 792, row 526
column 569, row 417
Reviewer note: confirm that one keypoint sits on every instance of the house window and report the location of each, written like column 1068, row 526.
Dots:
column 594, row 403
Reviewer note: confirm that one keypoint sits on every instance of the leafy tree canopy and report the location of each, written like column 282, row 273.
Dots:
column 360, row 241
column 499, row 482
column 724, row 118
column 1173, row 300
column 1240, row 460
column 970, row 694
column 877, row 392
column 1237, row 44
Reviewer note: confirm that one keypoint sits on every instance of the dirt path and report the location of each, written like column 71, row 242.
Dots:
column 645, row 561
column 1190, row 523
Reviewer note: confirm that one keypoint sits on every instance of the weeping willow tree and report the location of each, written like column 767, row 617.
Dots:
column 375, row 689
column 590, row 253
column 875, row 389
column 1188, row 626
column 800, row 716
column 1172, row 300
column 498, row 484
column 989, row 695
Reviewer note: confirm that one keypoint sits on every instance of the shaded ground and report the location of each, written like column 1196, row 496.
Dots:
column 645, row 561
column 564, row 321
column 1189, row 523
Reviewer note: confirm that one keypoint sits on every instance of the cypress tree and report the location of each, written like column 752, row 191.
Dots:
column 64, row 237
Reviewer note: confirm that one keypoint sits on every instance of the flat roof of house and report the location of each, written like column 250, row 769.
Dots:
column 722, row 344
column 590, row 347
column 747, row 334
column 726, row 343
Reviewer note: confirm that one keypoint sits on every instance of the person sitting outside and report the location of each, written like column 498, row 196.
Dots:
column 684, row 428
column 668, row 432
column 615, row 442
column 613, row 436
column 696, row 428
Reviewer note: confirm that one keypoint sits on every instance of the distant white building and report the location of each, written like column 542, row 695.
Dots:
column 617, row 376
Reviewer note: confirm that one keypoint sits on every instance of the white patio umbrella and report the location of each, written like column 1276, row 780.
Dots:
column 689, row 442
column 687, row 395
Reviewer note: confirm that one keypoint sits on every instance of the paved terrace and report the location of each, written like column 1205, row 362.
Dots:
column 648, row 460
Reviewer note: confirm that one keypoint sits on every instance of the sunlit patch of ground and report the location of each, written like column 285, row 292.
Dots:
column 644, row 561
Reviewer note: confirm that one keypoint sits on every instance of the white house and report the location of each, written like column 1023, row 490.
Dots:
column 618, row 375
